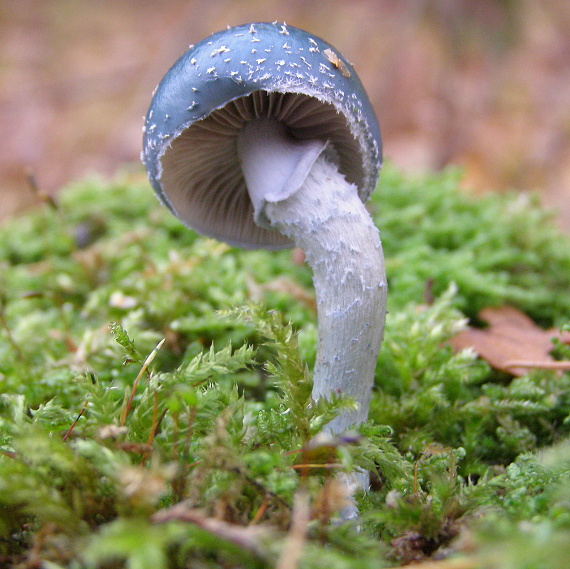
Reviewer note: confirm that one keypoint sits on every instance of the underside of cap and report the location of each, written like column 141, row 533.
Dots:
column 202, row 178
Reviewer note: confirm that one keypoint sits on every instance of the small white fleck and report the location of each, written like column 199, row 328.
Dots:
column 286, row 46
column 280, row 62
column 238, row 35
column 194, row 90
column 306, row 62
column 260, row 61
column 227, row 60
column 255, row 40
column 193, row 105
column 313, row 49
column 251, row 29
column 267, row 50
column 211, row 70
column 193, row 61
column 284, row 30
column 311, row 40
column 191, row 46
column 253, row 50
column 210, row 42
column 120, row 300
column 221, row 49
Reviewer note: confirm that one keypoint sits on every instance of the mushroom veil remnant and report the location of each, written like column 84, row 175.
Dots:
column 263, row 136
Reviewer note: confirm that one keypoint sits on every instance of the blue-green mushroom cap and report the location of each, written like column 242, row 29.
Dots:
column 235, row 76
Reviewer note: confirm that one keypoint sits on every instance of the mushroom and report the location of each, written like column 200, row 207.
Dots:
column 262, row 136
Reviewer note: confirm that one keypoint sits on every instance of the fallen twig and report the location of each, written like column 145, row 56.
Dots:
column 556, row 365
column 246, row 538
column 293, row 546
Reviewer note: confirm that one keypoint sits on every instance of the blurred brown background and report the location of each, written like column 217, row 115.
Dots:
column 480, row 83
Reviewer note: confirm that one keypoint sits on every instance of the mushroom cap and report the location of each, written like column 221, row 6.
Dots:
column 230, row 78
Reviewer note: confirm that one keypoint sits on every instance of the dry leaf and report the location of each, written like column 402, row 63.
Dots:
column 512, row 342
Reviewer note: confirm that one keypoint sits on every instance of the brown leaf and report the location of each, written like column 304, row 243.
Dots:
column 512, row 342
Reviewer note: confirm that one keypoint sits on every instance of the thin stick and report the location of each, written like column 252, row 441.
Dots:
column 260, row 511
column 562, row 365
column 317, row 466
column 42, row 195
column 246, row 538
column 147, row 362
column 70, row 430
column 293, row 546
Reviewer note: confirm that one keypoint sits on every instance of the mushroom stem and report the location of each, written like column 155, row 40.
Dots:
column 325, row 217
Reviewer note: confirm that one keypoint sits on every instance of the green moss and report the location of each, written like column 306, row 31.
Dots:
column 104, row 426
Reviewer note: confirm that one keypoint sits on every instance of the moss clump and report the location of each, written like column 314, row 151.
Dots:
column 155, row 395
